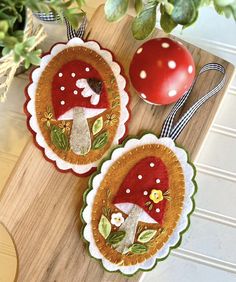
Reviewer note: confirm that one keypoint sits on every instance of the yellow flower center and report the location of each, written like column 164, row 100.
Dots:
column 156, row 196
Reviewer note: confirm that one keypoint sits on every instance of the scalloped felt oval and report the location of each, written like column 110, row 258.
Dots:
column 51, row 127
column 98, row 196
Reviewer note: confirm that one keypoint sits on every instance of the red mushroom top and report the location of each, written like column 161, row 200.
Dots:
column 145, row 185
column 162, row 70
column 72, row 87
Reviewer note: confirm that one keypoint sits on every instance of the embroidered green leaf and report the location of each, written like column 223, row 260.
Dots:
column 146, row 235
column 97, row 126
column 150, row 207
column 138, row 248
column 115, row 103
column 100, row 141
column 59, row 139
column 104, row 227
column 115, row 237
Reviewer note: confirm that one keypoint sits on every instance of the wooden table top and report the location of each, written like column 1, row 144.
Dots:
column 41, row 207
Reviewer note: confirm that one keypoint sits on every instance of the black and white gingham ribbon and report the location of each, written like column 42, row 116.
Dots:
column 168, row 130
column 71, row 32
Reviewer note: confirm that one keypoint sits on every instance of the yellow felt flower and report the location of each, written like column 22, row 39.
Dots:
column 156, row 196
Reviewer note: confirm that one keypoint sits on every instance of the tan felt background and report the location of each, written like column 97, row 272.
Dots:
column 41, row 206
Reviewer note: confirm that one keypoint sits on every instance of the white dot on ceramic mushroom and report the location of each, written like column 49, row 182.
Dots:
column 63, row 102
column 60, row 74
column 87, row 69
column 140, row 176
column 165, row 45
column 145, row 193
column 152, row 164
column 140, row 50
column 180, row 43
column 190, row 69
column 62, row 88
column 172, row 64
column 73, row 74
column 158, row 210
column 143, row 96
column 127, row 191
column 158, row 180
column 143, row 74
column 172, row 93
column 75, row 92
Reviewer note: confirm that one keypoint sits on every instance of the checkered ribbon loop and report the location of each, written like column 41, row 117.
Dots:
column 173, row 131
column 71, row 32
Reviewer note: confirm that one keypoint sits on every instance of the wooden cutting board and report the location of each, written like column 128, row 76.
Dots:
column 41, row 207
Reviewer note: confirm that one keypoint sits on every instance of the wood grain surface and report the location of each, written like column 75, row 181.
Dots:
column 41, row 207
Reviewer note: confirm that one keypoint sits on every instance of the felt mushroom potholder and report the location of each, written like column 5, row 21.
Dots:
column 138, row 203
column 77, row 104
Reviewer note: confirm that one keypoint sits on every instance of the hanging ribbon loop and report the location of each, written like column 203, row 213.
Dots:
column 173, row 131
column 71, row 32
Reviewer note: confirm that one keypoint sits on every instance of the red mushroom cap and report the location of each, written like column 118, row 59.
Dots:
column 162, row 70
column 66, row 94
column 147, row 175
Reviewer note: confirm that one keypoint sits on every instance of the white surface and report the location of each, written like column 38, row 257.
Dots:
column 208, row 251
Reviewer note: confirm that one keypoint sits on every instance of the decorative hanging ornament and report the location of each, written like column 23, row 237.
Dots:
column 77, row 104
column 139, row 202
column 162, row 70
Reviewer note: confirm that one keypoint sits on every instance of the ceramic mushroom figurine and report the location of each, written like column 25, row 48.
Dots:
column 162, row 70
column 78, row 94
column 142, row 195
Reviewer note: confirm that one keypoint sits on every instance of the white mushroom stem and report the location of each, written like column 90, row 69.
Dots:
column 129, row 226
column 80, row 140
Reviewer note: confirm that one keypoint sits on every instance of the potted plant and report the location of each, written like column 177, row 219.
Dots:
column 18, row 40
column 173, row 13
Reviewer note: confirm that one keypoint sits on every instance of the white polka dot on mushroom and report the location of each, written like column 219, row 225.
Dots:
column 140, row 50
column 63, row 102
column 143, row 74
column 172, row 93
column 62, row 88
column 75, row 92
column 152, row 164
column 158, row 210
column 143, row 96
column 127, row 191
column 73, row 74
column 165, row 45
column 190, row 69
column 60, row 74
column 87, row 69
column 158, row 180
column 140, row 176
column 145, row 193
column 172, row 64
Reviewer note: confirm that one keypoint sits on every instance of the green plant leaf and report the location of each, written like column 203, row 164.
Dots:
column 144, row 24
column 115, row 9
column 104, row 227
column 138, row 248
column 167, row 24
column 146, row 235
column 59, row 139
column 97, row 126
column 116, row 237
column 184, row 11
column 100, row 141
column 138, row 4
